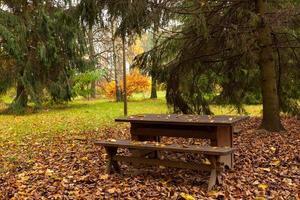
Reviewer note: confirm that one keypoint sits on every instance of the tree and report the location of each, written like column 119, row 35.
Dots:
column 113, row 40
column 124, row 74
column 132, row 16
column 45, row 45
column 92, row 58
column 271, row 118
column 215, row 51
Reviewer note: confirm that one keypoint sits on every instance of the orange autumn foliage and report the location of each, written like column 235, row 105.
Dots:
column 136, row 83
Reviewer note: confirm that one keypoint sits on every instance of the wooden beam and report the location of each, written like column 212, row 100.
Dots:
column 207, row 150
column 166, row 163
column 202, row 132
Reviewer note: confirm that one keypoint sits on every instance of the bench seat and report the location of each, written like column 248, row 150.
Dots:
column 147, row 145
column 211, row 153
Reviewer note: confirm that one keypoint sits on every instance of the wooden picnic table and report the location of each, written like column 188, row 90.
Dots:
column 217, row 128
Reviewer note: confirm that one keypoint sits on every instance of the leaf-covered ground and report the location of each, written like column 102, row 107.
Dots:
column 266, row 164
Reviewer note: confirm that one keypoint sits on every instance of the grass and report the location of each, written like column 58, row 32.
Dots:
column 83, row 115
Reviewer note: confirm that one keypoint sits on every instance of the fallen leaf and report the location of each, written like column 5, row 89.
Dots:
column 104, row 177
column 273, row 149
column 215, row 194
column 206, row 161
column 49, row 172
column 255, row 182
column 275, row 162
column 263, row 186
column 266, row 169
column 187, row 196
column 111, row 190
column 260, row 198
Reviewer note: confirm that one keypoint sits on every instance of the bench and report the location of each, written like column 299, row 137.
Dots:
column 211, row 153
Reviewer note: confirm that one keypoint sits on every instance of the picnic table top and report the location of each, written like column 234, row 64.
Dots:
column 182, row 119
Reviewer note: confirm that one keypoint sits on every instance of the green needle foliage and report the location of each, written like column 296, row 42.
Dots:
column 41, row 44
column 231, row 52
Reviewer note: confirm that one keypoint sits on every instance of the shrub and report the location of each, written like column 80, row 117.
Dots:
column 82, row 82
column 136, row 83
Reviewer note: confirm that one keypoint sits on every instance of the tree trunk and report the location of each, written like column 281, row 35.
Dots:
column 271, row 111
column 118, row 91
column 21, row 99
column 154, row 64
column 92, row 58
column 124, row 75
column 153, row 88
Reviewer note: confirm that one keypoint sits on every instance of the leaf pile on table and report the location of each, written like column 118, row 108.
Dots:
column 267, row 166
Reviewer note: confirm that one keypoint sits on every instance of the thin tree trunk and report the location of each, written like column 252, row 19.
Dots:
column 154, row 64
column 92, row 56
column 118, row 92
column 153, row 88
column 21, row 98
column 271, row 112
column 124, row 76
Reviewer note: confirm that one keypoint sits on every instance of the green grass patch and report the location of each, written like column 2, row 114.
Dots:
column 84, row 115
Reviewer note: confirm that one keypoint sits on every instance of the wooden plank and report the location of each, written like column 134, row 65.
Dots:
column 208, row 150
column 203, row 132
column 166, row 163
column 183, row 119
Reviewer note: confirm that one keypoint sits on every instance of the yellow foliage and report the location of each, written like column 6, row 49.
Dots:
column 136, row 82
column 137, row 47
column 110, row 89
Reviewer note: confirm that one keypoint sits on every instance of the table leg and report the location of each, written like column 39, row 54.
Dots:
column 224, row 139
column 137, row 137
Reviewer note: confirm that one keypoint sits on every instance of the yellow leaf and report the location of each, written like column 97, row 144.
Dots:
column 111, row 190
column 104, row 177
column 275, row 162
column 49, row 172
column 206, row 161
column 187, row 196
column 266, row 169
column 24, row 178
column 84, row 158
column 260, row 198
column 263, row 186
column 273, row 149
column 164, row 183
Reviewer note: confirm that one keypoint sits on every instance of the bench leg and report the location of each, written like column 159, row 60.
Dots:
column 212, row 179
column 215, row 176
column 112, row 165
column 223, row 137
